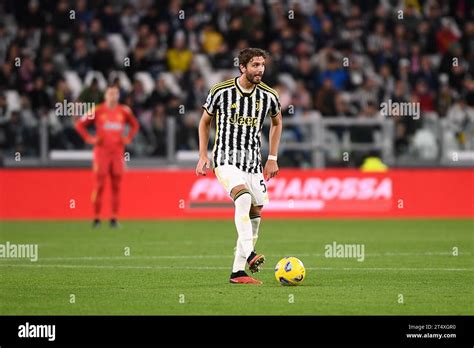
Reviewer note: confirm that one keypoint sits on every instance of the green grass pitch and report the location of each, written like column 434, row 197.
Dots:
column 182, row 268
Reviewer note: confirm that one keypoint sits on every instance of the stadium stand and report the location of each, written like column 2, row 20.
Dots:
column 165, row 55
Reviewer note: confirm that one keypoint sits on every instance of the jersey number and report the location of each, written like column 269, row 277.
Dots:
column 264, row 186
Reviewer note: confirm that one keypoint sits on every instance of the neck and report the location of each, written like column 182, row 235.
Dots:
column 244, row 82
column 111, row 105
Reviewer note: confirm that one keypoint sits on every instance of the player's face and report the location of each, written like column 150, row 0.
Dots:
column 255, row 69
column 112, row 95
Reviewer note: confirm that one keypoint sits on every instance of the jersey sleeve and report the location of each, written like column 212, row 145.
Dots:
column 82, row 124
column 275, row 107
column 210, row 104
column 132, row 121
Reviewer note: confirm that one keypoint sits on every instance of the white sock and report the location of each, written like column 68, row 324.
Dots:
column 244, row 229
column 255, row 225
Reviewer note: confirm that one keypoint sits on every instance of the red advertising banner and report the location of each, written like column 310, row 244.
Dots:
column 178, row 194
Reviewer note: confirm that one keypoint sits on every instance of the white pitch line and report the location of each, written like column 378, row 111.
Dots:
column 218, row 268
column 389, row 269
column 116, row 267
column 151, row 257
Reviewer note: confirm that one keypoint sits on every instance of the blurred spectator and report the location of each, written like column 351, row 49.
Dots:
column 39, row 98
column 62, row 92
column 60, row 16
column 196, row 93
column 103, row 59
column 325, row 98
column 467, row 41
column 342, row 105
column 179, row 57
column 49, row 74
column 460, row 119
column 386, row 83
column 139, row 96
column 17, row 135
column 318, row 17
column 302, row 98
column 27, row 114
column 5, row 39
column 160, row 94
column 83, row 14
column 8, row 77
column 341, row 57
column 26, row 74
column 235, row 31
column 80, row 59
column 92, row 93
column 368, row 93
column 306, row 73
column 364, row 134
column 424, row 96
column 222, row 59
column 211, row 40
column 445, row 99
column 159, row 131
column 424, row 144
column 335, row 73
column 129, row 20
column 373, row 164
column 427, row 73
column 201, row 15
column 109, row 19
column 447, row 34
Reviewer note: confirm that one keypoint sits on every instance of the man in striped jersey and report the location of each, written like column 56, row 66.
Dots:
column 239, row 107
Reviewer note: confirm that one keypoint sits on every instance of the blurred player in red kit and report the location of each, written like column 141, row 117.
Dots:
column 109, row 119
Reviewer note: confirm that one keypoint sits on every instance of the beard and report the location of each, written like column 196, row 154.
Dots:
column 254, row 78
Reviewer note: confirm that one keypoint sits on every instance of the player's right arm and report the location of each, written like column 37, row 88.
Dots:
column 210, row 108
column 81, row 127
column 204, row 130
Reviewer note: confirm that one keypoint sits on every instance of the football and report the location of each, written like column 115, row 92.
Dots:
column 290, row 271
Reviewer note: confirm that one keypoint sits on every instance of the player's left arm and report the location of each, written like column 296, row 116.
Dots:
column 271, row 166
column 134, row 126
column 81, row 127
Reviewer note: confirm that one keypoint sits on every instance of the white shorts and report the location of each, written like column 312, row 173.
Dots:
column 230, row 176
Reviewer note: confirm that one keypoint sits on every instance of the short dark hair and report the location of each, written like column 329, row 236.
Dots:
column 248, row 53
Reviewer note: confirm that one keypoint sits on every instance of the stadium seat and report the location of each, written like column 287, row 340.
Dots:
column 171, row 83
column 118, row 46
column 123, row 78
column 333, row 144
column 100, row 79
column 424, row 144
column 147, row 81
column 288, row 81
column 13, row 99
column 74, row 82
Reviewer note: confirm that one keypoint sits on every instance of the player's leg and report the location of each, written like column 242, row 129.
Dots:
column 258, row 189
column 234, row 183
column 116, row 181
column 255, row 218
column 244, row 253
column 99, row 168
column 242, row 202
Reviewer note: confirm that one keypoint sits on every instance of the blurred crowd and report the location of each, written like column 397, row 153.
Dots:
column 339, row 57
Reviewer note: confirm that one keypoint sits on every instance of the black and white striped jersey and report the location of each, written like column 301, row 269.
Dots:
column 239, row 122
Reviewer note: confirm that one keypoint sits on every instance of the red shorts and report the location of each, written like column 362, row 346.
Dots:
column 107, row 162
